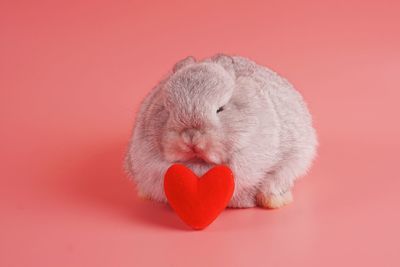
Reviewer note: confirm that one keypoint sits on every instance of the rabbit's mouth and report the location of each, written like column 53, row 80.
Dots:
column 197, row 160
column 207, row 158
column 201, row 151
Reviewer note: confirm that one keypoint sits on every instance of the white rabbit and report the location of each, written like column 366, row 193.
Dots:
column 224, row 110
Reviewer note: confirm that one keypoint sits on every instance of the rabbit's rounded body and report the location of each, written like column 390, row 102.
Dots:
column 263, row 130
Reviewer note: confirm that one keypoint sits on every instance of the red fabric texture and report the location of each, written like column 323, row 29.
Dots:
column 198, row 201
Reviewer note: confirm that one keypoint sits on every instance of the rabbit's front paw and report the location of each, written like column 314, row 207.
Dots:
column 270, row 201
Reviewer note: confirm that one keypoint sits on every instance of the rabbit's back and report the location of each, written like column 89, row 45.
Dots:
column 296, row 135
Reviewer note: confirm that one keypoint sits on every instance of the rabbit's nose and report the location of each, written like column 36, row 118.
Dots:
column 189, row 136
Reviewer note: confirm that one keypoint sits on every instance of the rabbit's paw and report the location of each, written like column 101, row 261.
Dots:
column 270, row 201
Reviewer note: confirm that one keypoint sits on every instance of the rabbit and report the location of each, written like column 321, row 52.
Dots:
column 224, row 110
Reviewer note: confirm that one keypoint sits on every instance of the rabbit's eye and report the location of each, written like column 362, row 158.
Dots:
column 220, row 109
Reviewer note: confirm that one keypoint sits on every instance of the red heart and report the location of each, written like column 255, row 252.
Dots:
column 198, row 201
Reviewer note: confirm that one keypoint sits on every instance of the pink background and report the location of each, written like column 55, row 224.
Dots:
column 72, row 74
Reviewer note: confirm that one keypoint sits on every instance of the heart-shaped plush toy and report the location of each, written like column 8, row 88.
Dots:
column 198, row 201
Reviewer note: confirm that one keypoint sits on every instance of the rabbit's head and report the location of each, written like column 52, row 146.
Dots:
column 207, row 117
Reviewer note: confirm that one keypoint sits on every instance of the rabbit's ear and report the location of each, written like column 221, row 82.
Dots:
column 225, row 61
column 184, row 62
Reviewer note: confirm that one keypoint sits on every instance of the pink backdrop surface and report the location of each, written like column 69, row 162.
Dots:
column 72, row 74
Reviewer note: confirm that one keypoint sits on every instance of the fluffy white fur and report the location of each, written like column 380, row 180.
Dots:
column 263, row 133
